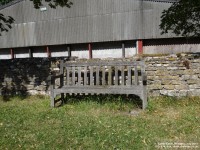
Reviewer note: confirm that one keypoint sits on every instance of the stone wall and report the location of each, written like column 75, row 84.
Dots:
column 172, row 75
column 24, row 76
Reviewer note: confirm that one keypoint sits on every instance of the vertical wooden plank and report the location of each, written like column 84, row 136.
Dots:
column 69, row 51
column 129, row 82
column 48, row 52
column 123, row 50
column 12, row 53
column 62, row 78
column 90, row 50
column 136, row 75
column 97, row 75
column 116, row 76
column 68, row 75
column 73, row 76
column 52, row 86
column 30, row 51
column 109, row 75
column 79, row 75
column 91, row 76
column 103, row 75
column 122, row 75
column 140, row 46
column 85, row 82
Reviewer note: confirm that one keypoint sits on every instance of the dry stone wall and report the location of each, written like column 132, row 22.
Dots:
column 172, row 75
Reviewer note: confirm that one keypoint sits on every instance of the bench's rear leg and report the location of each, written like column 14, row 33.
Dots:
column 52, row 96
column 52, row 99
column 62, row 98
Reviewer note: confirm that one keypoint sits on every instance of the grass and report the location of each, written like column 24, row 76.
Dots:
column 97, row 122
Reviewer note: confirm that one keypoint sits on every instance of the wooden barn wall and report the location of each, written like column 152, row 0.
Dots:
column 171, row 46
column 86, row 21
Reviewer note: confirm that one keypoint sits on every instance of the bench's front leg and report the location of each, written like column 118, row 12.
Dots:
column 52, row 86
column 144, row 98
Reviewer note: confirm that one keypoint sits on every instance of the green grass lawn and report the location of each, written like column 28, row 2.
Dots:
column 97, row 122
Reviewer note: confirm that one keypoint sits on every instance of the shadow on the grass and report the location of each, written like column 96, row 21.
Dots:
column 103, row 99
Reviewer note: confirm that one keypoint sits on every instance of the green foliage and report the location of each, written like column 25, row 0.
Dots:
column 89, row 124
column 52, row 3
column 182, row 18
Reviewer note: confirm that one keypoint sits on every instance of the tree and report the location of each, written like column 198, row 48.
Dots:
column 182, row 18
column 7, row 21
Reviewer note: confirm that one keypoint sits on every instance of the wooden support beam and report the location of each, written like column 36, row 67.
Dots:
column 123, row 50
column 48, row 52
column 12, row 53
column 90, row 50
column 140, row 46
column 30, row 51
column 69, row 51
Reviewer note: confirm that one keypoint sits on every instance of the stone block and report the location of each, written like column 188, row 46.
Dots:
column 183, row 93
column 195, row 92
column 176, row 82
column 172, row 68
column 185, row 77
column 172, row 93
column 189, row 72
column 194, row 86
column 161, row 72
column 150, row 73
column 169, row 87
column 155, row 87
column 191, row 81
column 166, row 82
column 163, row 92
column 181, row 87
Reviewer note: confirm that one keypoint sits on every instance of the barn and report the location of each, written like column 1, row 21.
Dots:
column 90, row 29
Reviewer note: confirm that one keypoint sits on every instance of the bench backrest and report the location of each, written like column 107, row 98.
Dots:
column 103, row 73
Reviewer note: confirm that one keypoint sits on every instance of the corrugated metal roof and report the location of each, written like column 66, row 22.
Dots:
column 86, row 21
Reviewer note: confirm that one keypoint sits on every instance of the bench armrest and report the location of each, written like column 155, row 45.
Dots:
column 144, row 78
column 53, row 77
column 52, row 80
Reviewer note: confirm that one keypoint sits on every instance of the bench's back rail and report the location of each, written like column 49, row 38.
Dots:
column 102, row 73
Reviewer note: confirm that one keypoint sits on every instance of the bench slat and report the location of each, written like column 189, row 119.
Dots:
column 122, row 75
column 103, row 76
column 85, row 82
column 91, row 76
column 97, row 75
column 129, row 76
column 136, row 75
column 116, row 76
column 79, row 76
column 73, row 76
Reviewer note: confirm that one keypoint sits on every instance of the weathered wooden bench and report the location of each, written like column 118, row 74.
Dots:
column 100, row 77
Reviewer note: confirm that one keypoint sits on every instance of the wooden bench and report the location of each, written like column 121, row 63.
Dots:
column 100, row 77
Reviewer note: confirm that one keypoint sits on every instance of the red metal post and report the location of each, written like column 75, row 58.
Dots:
column 12, row 53
column 140, row 47
column 90, row 50
column 48, row 52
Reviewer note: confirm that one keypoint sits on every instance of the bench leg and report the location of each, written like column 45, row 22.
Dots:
column 62, row 97
column 144, row 99
column 52, row 99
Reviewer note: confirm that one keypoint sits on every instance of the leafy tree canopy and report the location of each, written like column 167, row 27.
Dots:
column 182, row 18
column 7, row 21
